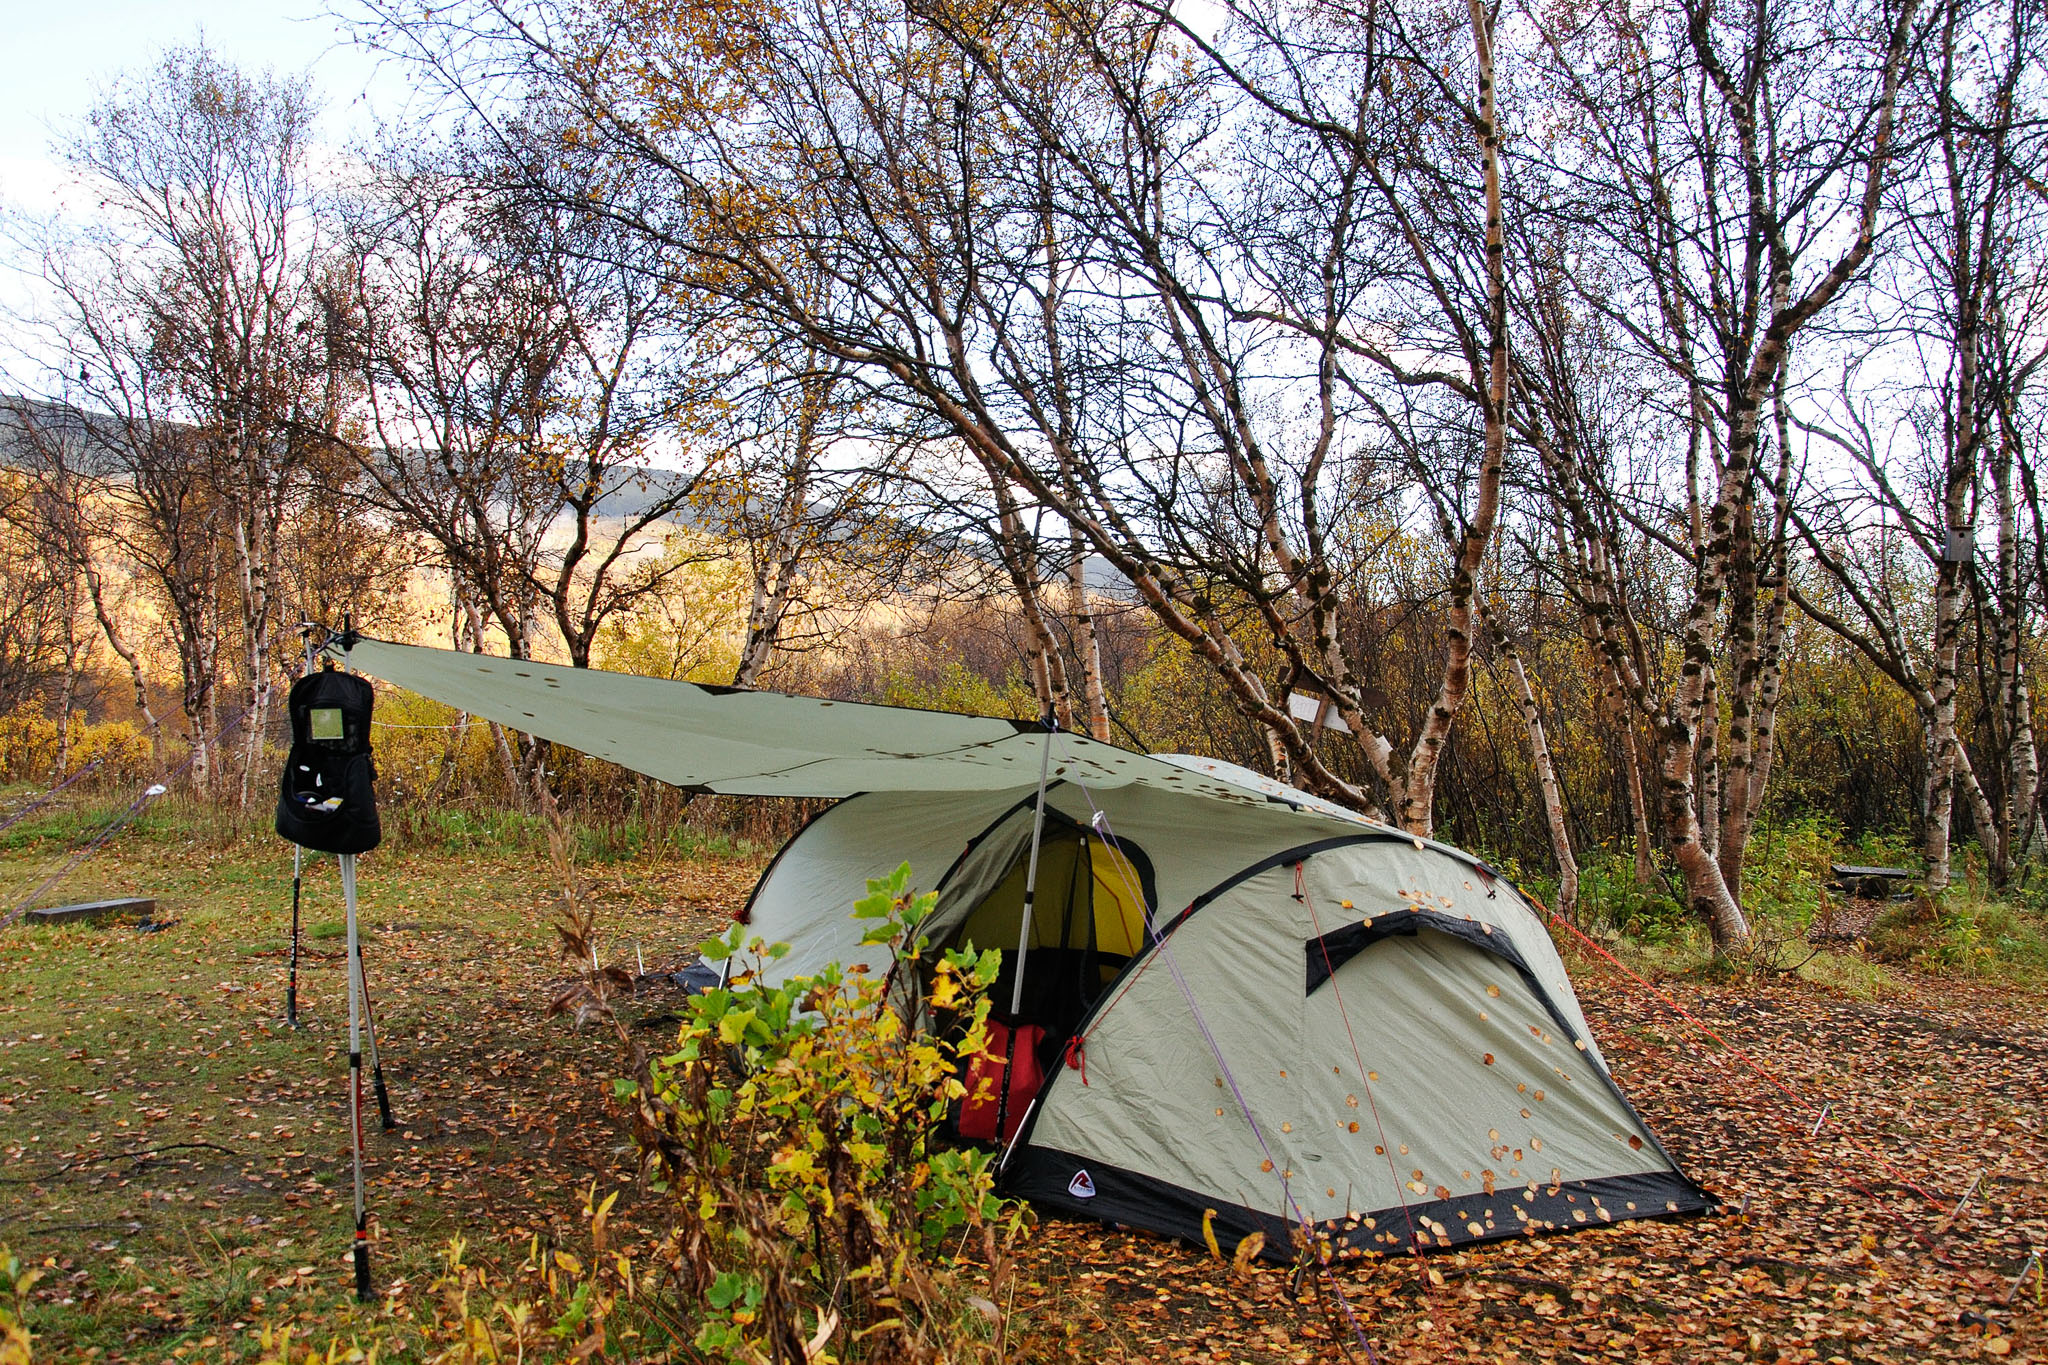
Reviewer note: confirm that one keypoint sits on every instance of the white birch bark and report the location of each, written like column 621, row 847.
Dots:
column 1547, row 784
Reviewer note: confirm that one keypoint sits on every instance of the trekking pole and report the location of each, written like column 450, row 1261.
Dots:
column 291, row 985
column 291, row 988
column 355, row 1077
column 376, row 1059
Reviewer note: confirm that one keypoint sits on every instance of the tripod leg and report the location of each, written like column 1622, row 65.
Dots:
column 376, row 1061
column 355, row 1077
column 291, row 989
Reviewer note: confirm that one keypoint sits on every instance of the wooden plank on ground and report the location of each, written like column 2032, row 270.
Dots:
column 1848, row 873
column 86, row 912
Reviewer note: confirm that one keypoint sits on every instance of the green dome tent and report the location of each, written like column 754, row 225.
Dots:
column 1257, row 1008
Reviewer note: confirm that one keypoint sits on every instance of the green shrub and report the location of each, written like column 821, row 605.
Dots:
column 1964, row 934
column 1787, row 868
column 959, row 689
column 16, row 1280
column 797, row 1129
column 1610, row 899
column 816, row 1214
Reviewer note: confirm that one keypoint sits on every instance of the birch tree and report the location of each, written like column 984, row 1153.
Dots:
column 1730, row 167
column 1930, row 449
column 1051, row 233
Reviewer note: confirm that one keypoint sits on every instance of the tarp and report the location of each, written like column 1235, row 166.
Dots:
column 1318, row 1020
column 739, row 742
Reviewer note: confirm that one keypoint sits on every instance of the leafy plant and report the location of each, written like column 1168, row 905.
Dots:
column 1610, row 899
column 29, row 746
column 796, row 1127
column 16, row 1344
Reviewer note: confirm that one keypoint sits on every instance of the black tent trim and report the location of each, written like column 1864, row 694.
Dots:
column 1048, row 1177
column 1284, row 858
column 1326, row 954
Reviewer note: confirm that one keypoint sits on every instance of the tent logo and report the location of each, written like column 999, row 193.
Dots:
column 1082, row 1186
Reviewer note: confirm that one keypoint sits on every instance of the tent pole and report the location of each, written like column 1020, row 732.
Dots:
column 355, row 1075
column 291, row 989
column 376, row 1058
column 1052, row 726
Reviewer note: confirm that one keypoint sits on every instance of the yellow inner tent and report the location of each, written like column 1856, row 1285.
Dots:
column 1089, row 896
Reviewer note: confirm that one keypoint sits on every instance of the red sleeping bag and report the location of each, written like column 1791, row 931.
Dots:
column 989, row 1106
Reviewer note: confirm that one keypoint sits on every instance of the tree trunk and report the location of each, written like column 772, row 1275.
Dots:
column 2015, row 701
column 1709, row 762
column 775, row 570
column 68, row 690
column 1939, row 800
column 1095, row 701
column 1276, row 753
column 1958, row 492
column 1777, row 587
column 1546, row 781
column 1759, row 645
column 1942, row 741
column 1415, row 801
column 256, row 632
column 1638, row 805
column 1707, row 895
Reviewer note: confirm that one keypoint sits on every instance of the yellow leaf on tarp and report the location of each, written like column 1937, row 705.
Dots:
column 1209, row 1233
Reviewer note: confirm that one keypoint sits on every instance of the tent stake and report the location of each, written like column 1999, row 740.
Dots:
column 291, row 989
column 1052, row 726
column 2032, row 1267
column 1957, row 1211
column 355, row 1076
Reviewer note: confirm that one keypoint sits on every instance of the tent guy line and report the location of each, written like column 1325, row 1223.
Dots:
column 47, row 797
column 116, row 823
column 1752, row 1063
column 1100, row 821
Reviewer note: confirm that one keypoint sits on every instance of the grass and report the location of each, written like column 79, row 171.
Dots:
column 1970, row 933
column 462, row 830
column 120, row 1052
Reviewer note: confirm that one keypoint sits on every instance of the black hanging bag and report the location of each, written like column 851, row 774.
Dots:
column 328, row 797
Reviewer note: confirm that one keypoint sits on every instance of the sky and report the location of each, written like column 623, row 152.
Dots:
column 62, row 52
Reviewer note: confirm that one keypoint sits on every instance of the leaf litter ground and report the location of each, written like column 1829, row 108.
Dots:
column 177, row 1157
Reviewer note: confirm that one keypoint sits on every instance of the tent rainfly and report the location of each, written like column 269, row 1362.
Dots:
column 1251, row 1005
